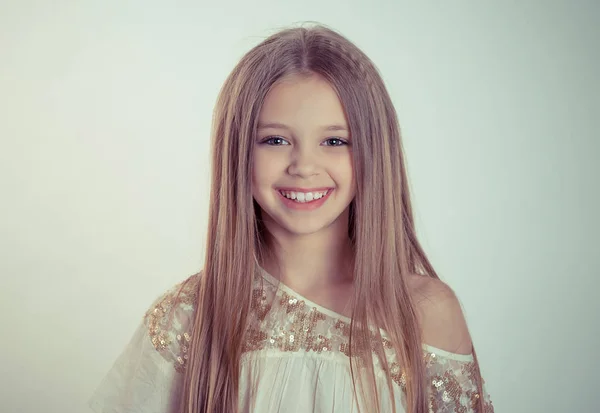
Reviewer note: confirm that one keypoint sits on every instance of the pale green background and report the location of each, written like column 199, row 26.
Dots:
column 105, row 111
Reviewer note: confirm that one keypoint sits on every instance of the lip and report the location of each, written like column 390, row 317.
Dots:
column 296, row 189
column 305, row 206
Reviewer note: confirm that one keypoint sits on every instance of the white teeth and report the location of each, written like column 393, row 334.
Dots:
column 302, row 197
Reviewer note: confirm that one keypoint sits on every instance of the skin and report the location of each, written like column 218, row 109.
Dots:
column 440, row 314
column 312, row 246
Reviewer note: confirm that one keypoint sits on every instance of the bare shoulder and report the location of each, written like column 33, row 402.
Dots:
column 442, row 320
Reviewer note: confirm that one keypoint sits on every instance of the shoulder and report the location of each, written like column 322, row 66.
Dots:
column 169, row 320
column 440, row 314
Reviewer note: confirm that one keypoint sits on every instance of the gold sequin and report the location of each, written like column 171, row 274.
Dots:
column 397, row 374
column 284, row 322
column 171, row 344
column 254, row 340
column 260, row 304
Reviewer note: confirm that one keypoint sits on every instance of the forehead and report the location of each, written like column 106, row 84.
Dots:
column 302, row 100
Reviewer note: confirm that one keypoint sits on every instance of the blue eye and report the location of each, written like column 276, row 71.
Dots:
column 336, row 142
column 279, row 141
column 275, row 141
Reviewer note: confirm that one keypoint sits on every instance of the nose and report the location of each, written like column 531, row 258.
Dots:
column 304, row 162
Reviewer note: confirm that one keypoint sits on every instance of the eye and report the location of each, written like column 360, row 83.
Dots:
column 275, row 141
column 336, row 142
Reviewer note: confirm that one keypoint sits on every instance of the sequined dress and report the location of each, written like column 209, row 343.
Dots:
column 295, row 359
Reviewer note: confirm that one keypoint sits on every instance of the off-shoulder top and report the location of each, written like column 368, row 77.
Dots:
column 295, row 360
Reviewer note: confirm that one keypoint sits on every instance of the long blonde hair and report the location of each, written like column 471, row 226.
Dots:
column 381, row 226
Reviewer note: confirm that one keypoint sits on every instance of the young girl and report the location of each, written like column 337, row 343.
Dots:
column 316, row 295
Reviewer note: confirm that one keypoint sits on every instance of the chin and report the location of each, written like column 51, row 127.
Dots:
column 302, row 227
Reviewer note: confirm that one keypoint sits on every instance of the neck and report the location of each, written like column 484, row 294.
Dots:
column 320, row 259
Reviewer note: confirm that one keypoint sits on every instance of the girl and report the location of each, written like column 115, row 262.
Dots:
column 316, row 295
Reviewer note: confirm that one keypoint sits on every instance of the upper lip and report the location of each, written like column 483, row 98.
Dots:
column 294, row 189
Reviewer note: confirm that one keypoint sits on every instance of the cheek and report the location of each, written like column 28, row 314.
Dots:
column 265, row 169
column 343, row 170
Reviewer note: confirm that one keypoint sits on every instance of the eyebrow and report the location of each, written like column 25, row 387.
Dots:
column 275, row 125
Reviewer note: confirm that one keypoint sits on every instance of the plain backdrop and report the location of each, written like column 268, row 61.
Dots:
column 105, row 116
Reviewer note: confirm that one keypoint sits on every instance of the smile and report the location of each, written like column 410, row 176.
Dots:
column 304, row 200
column 303, row 197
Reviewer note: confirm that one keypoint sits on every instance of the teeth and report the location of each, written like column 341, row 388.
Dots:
column 302, row 197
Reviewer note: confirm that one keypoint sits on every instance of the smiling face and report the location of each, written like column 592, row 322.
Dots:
column 302, row 163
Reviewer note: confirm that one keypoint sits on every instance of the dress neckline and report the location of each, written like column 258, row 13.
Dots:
column 283, row 287
column 280, row 286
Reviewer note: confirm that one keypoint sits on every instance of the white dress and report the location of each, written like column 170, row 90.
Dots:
column 295, row 358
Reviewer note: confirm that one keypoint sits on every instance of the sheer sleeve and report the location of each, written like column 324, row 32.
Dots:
column 453, row 383
column 147, row 375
